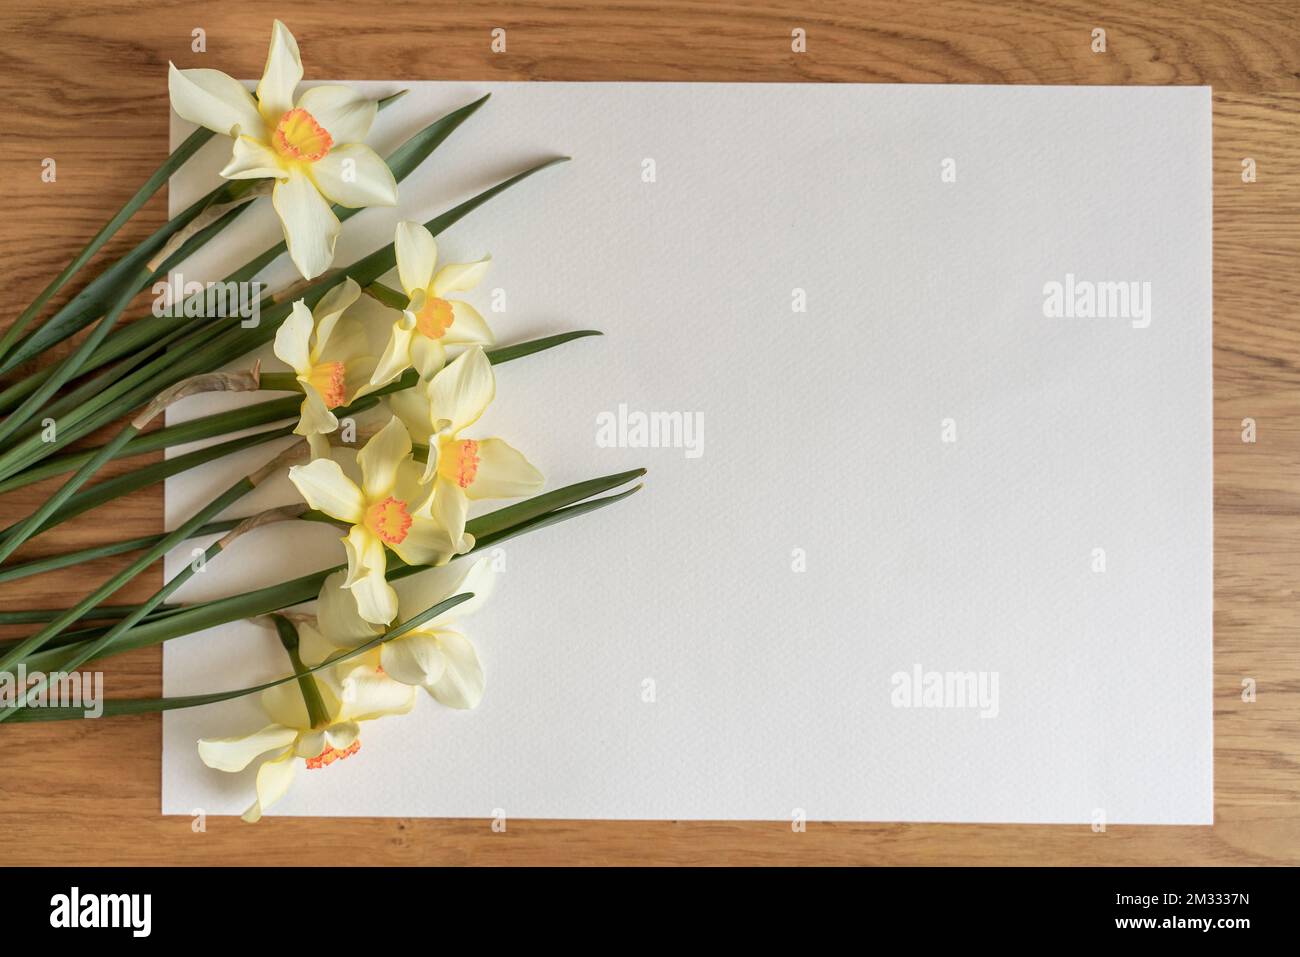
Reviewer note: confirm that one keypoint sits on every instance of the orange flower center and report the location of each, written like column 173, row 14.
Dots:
column 299, row 137
column 389, row 520
column 458, row 460
column 329, row 379
column 435, row 318
column 332, row 754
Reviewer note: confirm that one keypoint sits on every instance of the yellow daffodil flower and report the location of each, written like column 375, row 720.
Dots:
column 433, row 656
column 430, row 322
column 364, row 694
column 462, row 469
column 384, row 512
column 327, row 352
column 312, row 146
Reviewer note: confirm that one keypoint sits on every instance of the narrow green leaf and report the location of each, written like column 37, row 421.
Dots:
column 94, row 299
column 129, row 482
column 34, row 643
column 143, row 333
column 128, row 706
column 204, row 427
column 51, row 563
column 160, row 176
column 65, row 369
column 486, row 530
column 212, row 350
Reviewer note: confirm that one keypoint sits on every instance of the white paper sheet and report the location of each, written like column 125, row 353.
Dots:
column 666, row 658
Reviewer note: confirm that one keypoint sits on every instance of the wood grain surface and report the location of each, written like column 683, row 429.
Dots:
column 84, row 82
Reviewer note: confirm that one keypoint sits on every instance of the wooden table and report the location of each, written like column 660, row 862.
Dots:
column 83, row 82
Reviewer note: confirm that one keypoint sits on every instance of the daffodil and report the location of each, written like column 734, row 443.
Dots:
column 351, row 697
column 432, row 656
column 384, row 511
column 311, row 146
column 327, row 352
column 430, row 322
column 461, row 469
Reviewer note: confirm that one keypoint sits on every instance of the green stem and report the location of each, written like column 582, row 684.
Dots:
column 390, row 297
column 317, row 713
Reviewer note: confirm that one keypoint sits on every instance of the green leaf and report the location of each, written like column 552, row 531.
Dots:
column 33, row 643
column 129, row 482
column 160, row 176
column 92, row 301
column 144, row 334
column 212, row 350
column 204, row 427
column 486, row 529
column 128, row 706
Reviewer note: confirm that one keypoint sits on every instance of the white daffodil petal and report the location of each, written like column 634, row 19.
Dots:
column 426, row 543
column 253, row 159
column 450, row 509
column 283, row 704
column 319, row 445
column 413, row 659
column 330, row 309
column 457, row 277
column 502, row 472
column 310, row 226
column 336, row 613
column 273, row 780
column 397, row 354
column 213, row 100
column 380, row 457
column 416, row 254
column 234, row 754
column 314, row 417
column 425, row 589
column 280, row 76
column 324, row 486
column 460, row 392
column 412, row 407
column 293, row 339
column 479, row 581
column 354, row 175
column 467, row 328
column 346, row 114
column 428, row 358
column 367, row 693
column 376, row 600
column 462, row 681
column 365, row 554
column 313, row 646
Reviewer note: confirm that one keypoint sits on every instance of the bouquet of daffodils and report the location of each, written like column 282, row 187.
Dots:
column 385, row 622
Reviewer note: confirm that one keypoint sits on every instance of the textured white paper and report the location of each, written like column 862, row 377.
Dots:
column 667, row 658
